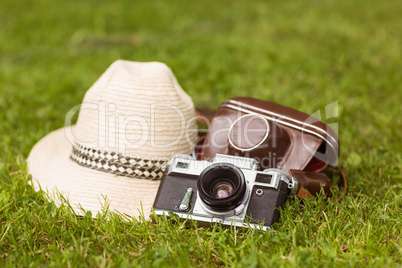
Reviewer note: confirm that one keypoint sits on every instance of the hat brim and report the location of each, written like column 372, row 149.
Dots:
column 52, row 170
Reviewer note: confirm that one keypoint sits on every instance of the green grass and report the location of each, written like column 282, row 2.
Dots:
column 301, row 54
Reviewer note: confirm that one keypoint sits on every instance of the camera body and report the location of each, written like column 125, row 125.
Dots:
column 229, row 190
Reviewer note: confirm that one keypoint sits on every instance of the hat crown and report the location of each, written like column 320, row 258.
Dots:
column 138, row 110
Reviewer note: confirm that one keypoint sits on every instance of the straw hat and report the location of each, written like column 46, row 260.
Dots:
column 131, row 122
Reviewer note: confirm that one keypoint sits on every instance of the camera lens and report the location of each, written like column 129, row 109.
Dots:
column 221, row 186
column 223, row 190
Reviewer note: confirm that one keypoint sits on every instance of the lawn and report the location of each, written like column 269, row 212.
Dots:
column 305, row 55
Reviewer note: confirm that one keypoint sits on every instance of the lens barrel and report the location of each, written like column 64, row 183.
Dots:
column 221, row 186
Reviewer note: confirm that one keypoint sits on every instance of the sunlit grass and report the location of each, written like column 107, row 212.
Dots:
column 305, row 55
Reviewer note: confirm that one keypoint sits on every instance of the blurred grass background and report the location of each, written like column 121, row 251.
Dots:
column 300, row 54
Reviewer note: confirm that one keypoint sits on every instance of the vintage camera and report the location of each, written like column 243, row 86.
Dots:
column 230, row 191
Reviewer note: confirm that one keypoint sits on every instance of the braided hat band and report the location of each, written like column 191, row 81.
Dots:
column 117, row 164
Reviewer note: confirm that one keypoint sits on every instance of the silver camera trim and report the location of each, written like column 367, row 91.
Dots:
column 224, row 221
column 199, row 204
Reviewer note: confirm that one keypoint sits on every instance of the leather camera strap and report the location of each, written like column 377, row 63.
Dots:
column 344, row 180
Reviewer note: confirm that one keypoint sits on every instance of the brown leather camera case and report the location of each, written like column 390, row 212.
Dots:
column 275, row 135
